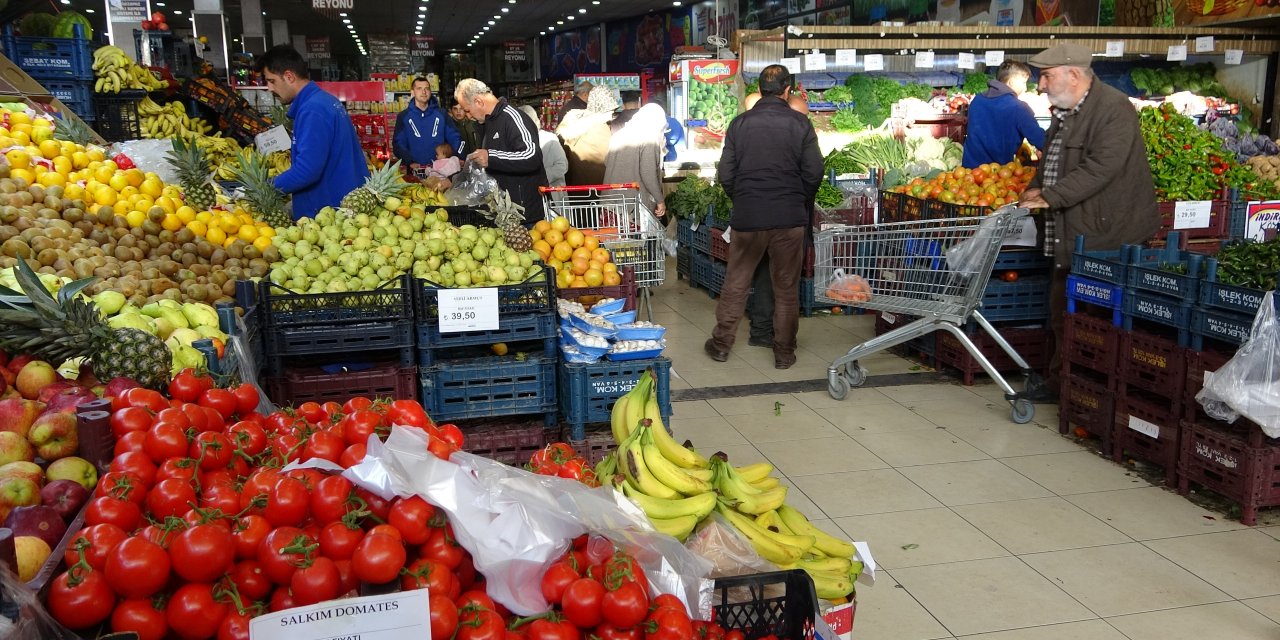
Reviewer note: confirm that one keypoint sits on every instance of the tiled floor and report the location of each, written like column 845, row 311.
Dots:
column 984, row 529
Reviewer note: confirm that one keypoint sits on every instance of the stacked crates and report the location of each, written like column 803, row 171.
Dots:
column 63, row 66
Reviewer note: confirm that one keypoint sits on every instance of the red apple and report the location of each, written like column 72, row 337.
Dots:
column 15, row 448
column 23, row 469
column 65, row 497
column 17, row 415
column 58, row 386
column 17, row 492
column 19, row 361
column 35, row 376
column 117, row 386
column 73, row 468
column 70, row 398
column 38, row 521
column 147, row 25
column 10, row 378
column 157, row 17
column 54, row 435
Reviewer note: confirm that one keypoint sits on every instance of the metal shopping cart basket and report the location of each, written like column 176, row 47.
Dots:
column 632, row 235
column 934, row 269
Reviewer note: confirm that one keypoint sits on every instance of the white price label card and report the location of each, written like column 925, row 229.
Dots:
column 1145, row 428
column 846, row 57
column 924, row 59
column 1115, row 49
column 1233, row 56
column 1191, row 214
column 390, row 96
column 1023, row 236
column 693, row 225
column 1177, row 53
column 273, row 139
column 993, row 58
column 815, row 62
column 468, row 309
column 792, row 64
column 403, row 614
column 965, row 60
column 873, row 62
column 725, row 236
column 1204, row 43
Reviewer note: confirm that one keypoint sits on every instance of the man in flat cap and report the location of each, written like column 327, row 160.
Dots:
column 1094, row 179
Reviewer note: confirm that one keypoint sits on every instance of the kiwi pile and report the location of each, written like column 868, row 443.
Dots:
column 146, row 264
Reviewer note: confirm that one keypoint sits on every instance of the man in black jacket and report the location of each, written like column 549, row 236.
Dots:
column 771, row 167
column 508, row 146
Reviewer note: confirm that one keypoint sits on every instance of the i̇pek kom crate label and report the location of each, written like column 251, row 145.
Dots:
column 404, row 614
column 468, row 309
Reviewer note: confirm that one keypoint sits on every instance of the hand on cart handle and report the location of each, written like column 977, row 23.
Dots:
column 1031, row 199
column 589, row 187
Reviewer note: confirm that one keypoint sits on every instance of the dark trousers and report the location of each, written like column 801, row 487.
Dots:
column 785, row 249
column 1057, row 322
column 760, row 305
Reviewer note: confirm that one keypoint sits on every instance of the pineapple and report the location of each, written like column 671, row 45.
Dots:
column 71, row 326
column 509, row 217
column 73, row 130
column 381, row 185
column 263, row 197
column 192, row 165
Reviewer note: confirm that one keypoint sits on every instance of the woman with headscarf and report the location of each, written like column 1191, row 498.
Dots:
column 635, row 155
column 585, row 134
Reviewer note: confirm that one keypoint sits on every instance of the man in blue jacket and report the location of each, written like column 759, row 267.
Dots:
column 421, row 127
column 327, row 160
column 999, row 121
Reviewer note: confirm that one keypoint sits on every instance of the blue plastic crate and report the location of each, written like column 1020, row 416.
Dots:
column 1110, row 265
column 1238, row 220
column 73, row 93
column 1023, row 299
column 684, row 262
column 700, row 238
column 1222, row 326
column 511, row 328
column 536, row 295
column 589, row 391
column 808, row 303
column 1215, row 295
column 51, row 58
column 1021, row 260
column 701, row 270
column 684, row 232
column 716, row 280
column 490, row 387
column 1162, row 310
column 1151, row 275
column 427, row 357
column 1094, row 292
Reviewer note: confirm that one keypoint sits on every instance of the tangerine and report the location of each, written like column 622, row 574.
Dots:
column 553, row 237
column 562, row 251
column 542, row 227
column 560, row 224
column 591, row 242
column 612, row 279
column 593, row 277
column 580, row 266
column 600, row 255
column 574, row 238
column 582, row 253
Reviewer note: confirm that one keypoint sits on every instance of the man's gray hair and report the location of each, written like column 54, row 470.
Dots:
column 531, row 112
column 469, row 89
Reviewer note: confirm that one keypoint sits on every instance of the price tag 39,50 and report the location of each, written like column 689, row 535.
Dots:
column 467, row 309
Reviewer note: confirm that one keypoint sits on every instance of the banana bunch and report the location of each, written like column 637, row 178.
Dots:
column 169, row 121
column 678, row 488
column 419, row 193
column 116, row 72
column 278, row 162
column 220, row 152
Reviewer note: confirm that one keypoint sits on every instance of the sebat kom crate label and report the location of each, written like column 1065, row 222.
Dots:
column 404, row 614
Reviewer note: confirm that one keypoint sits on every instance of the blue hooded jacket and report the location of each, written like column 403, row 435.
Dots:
column 998, row 121
column 418, row 131
column 327, row 160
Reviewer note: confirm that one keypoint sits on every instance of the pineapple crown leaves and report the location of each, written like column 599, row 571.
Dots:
column 34, row 308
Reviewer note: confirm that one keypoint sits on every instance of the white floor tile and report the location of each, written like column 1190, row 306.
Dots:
column 921, row 537
column 1224, row 620
column 862, row 492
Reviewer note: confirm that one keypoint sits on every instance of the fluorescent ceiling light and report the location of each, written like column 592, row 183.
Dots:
column 176, row 12
column 346, row 21
column 559, row 21
column 568, row 17
column 505, row 10
column 89, row 11
column 491, row 22
column 342, row 15
column 582, row 10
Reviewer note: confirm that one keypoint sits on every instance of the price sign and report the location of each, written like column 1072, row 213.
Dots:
column 1233, row 56
column 1145, row 428
column 1177, row 53
column 1204, row 43
column 815, row 62
column 792, row 64
column 965, row 60
column 1191, row 214
column 725, row 236
column 924, row 59
column 873, row 62
column 846, row 57
column 385, row 617
column 468, row 309
column 1115, row 49
column 993, row 58
column 273, row 139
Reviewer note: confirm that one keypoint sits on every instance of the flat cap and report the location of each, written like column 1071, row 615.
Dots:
column 1063, row 55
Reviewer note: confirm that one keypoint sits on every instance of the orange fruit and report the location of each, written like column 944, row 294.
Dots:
column 574, row 238
column 560, row 224
column 582, row 253
column 542, row 227
column 593, row 277
column 600, row 255
column 612, row 279
column 561, row 251
column 610, row 267
column 542, row 248
column 580, row 266
column 591, row 242
column 535, row 235
column 553, row 237
column 579, row 283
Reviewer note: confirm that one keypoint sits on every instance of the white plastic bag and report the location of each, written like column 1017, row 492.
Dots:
column 1249, row 383
column 965, row 257
column 471, row 186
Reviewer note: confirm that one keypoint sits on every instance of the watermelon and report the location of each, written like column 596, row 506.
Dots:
column 39, row 25
column 65, row 26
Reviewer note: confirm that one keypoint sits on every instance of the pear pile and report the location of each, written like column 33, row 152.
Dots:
column 678, row 488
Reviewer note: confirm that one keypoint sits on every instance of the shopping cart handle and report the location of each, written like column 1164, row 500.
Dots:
column 590, row 187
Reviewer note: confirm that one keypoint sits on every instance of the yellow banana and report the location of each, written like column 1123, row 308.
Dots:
column 631, row 459
column 826, row 542
column 746, row 498
column 674, row 451
column 620, row 416
column 698, row 506
column 668, row 473
column 702, row 474
column 766, row 484
column 769, row 547
column 833, row 565
column 830, row 585
column 678, row 528
column 755, row 472
column 772, row 521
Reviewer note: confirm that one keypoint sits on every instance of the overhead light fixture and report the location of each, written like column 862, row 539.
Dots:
column 559, row 21
column 492, row 22
column 342, row 15
column 90, row 11
column 419, row 23
column 505, row 10
column 582, row 10
column 595, row 1
column 264, row 13
column 568, row 17
column 346, row 21
column 159, row 4
column 176, row 12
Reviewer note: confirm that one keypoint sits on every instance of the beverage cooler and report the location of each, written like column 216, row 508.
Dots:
column 619, row 82
column 703, row 96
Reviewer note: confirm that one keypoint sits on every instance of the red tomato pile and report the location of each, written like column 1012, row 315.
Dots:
column 194, row 530
column 559, row 459
column 990, row 185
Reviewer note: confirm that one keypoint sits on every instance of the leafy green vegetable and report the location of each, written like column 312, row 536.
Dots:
column 690, row 199
column 838, row 94
column 847, row 120
column 1199, row 79
column 841, row 162
column 974, row 83
column 829, row 196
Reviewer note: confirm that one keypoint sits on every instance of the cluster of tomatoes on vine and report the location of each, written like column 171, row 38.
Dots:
column 560, row 459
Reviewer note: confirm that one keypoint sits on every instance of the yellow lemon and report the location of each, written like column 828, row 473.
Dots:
column 172, row 191
column 103, row 173
column 18, row 159
column 228, row 223
column 39, row 169
column 68, row 148
column 244, row 217
column 198, row 227
column 40, row 135
column 205, row 216
column 120, row 207
column 21, row 138
column 265, row 230
column 62, row 164
column 262, row 242
column 112, row 164
column 248, row 233
column 230, row 240
column 142, row 202
column 129, row 191
column 50, row 148
column 96, row 155
column 153, row 188
column 22, row 174
column 135, row 218
column 134, row 176
column 21, row 127
column 73, row 191
column 80, row 160
column 215, row 235
column 53, row 178
column 170, row 205
column 171, row 222
column 118, row 181
column 186, row 214
column 19, row 117
column 5, row 141
column 105, row 196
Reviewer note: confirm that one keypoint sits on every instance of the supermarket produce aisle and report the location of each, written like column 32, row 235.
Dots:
column 982, row 528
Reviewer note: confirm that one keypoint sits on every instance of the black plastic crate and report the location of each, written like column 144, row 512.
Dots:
column 281, row 307
column 116, row 116
column 536, row 295
column 780, row 603
column 1223, row 327
column 684, row 262
column 1023, row 299
column 588, row 391
column 343, row 338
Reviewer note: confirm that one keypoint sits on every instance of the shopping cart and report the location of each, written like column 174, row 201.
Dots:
column 632, row 235
column 934, row 269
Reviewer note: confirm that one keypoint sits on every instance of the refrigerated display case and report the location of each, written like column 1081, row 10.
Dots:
column 703, row 95
column 619, row 82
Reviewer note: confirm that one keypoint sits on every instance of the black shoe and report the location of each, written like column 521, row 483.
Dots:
column 783, row 363
column 1041, row 391
column 761, row 342
column 713, row 352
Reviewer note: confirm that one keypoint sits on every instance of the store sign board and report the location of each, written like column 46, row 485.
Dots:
column 128, row 10
column 422, row 46
column 1177, row 53
column 846, row 57
column 1262, row 217
column 792, row 64
column 993, row 58
column 1204, row 44
column 815, row 62
column 318, row 48
column 403, row 614
column 468, row 309
column 515, row 51
column 965, row 60
column 924, row 59
column 718, row 71
column 331, row 5
column 873, row 62
column 1115, row 49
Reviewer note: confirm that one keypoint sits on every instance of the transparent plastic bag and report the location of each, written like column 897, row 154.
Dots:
column 729, row 552
column 1249, row 383
column 22, row 616
column 853, row 289
column 150, row 155
column 471, row 186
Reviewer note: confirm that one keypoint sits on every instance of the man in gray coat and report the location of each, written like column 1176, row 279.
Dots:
column 1094, row 180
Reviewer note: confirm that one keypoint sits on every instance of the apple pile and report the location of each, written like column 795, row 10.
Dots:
column 156, row 23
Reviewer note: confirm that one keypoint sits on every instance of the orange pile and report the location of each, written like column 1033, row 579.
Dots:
column 575, row 254
column 989, row 185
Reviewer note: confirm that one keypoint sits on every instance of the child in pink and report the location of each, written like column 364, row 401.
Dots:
column 446, row 164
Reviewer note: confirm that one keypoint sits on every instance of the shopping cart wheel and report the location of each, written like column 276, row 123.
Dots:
column 837, row 386
column 1023, row 411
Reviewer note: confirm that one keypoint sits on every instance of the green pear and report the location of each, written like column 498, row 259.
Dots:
column 109, row 302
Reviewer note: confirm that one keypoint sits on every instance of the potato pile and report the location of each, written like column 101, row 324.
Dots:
column 1267, row 168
